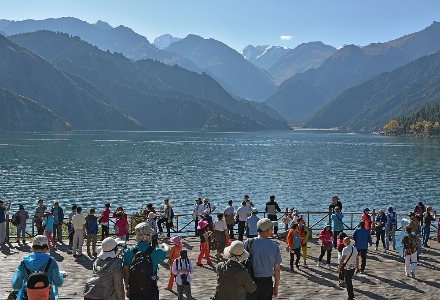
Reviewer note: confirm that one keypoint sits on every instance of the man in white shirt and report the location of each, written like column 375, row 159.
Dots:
column 79, row 225
column 243, row 212
column 349, row 264
column 208, row 206
column 197, row 213
column 229, row 219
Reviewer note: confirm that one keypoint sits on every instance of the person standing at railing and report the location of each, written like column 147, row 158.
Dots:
column 38, row 216
column 197, row 213
column 4, row 207
column 335, row 203
column 427, row 220
column 167, row 217
column 242, row 214
column 391, row 228
column 366, row 218
column 337, row 225
column 79, row 225
column 23, row 215
column 104, row 220
column 69, row 226
column 58, row 215
column 48, row 222
column 381, row 223
column 272, row 209
column 229, row 218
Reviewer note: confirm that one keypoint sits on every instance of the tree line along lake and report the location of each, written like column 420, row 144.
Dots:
column 303, row 169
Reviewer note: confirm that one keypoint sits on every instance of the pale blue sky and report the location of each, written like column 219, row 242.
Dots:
column 238, row 23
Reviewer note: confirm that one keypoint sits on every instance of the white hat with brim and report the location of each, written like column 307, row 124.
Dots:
column 151, row 215
column 109, row 249
column 264, row 224
column 236, row 252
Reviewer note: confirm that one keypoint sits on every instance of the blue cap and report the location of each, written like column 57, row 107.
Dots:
column 390, row 208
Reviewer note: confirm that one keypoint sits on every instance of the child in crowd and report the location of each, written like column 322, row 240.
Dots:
column 104, row 220
column 326, row 238
column 294, row 244
column 303, row 231
column 340, row 246
column 151, row 221
column 121, row 226
column 204, row 234
column 182, row 269
column 174, row 253
column 410, row 248
column 366, row 218
column 48, row 228
column 92, row 231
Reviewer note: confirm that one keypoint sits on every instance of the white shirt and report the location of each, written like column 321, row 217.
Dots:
column 243, row 213
column 186, row 265
column 350, row 263
column 220, row 226
column 198, row 210
column 78, row 221
column 229, row 210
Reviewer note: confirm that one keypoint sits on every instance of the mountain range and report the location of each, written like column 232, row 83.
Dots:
column 159, row 96
column 301, row 96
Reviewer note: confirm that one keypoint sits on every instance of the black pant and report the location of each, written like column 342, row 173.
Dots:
column 153, row 295
column 296, row 252
column 363, row 254
column 196, row 222
column 380, row 234
column 241, row 226
column 167, row 225
column 105, row 232
column 264, row 289
column 335, row 238
column 274, row 218
column 329, row 255
column 348, row 275
column 231, row 231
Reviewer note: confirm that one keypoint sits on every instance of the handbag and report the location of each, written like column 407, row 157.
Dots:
column 327, row 247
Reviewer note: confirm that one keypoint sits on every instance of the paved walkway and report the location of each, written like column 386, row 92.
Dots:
column 384, row 277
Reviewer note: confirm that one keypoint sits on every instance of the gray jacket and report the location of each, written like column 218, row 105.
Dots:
column 233, row 281
column 106, row 282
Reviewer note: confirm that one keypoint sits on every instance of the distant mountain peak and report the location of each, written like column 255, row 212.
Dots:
column 103, row 25
column 165, row 40
column 341, row 46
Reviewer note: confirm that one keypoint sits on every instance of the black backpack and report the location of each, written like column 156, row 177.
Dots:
column 37, row 285
column 248, row 262
column 16, row 219
column 141, row 278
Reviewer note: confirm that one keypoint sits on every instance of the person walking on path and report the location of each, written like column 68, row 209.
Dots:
column 427, row 220
column 21, row 226
column 391, row 228
column 243, row 212
column 294, row 244
column 362, row 238
column 266, row 260
column 251, row 224
column 69, row 226
column 335, row 203
column 326, row 241
column 4, row 207
column 415, row 225
column 38, row 216
column 39, row 260
column 366, row 218
column 104, row 220
column 410, row 247
column 79, row 225
column 271, row 210
column 58, row 220
column 92, row 232
column 143, row 239
column 304, row 239
column 229, row 219
column 151, row 221
column 233, row 279
column 204, row 242
column 182, row 269
column 197, row 213
column 337, row 225
column 174, row 253
column 381, row 223
column 121, row 227
column 107, row 281
column 348, row 265
column 220, row 235
column 48, row 224
column 340, row 248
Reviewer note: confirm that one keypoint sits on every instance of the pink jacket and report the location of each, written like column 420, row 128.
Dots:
column 122, row 225
column 326, row 237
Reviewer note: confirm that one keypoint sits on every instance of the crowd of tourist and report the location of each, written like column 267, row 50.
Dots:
column 247, row 269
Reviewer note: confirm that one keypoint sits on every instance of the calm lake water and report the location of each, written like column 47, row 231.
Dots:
column 303, row 169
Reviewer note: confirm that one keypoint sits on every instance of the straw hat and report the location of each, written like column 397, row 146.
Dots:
column 236, row 252
column 151, row 215
column 109, row 248
column 202, row 224
column 143, row 232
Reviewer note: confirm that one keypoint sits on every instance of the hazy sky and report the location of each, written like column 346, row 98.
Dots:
column 238, row 23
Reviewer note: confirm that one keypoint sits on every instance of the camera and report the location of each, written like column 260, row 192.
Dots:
column 184, row 278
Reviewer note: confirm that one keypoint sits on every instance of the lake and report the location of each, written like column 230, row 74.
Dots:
column 303, row 169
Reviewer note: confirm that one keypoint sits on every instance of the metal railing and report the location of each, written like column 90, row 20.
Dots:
column 184, row 223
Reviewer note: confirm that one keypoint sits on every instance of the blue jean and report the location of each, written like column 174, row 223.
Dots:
column 426, row 232
column 21, row 232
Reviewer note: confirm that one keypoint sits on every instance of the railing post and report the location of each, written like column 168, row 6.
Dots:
column 33, row 230
column 177, row 223
column 330, row 212
column 286, row 226
column 7, row 228
column 373, row 218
